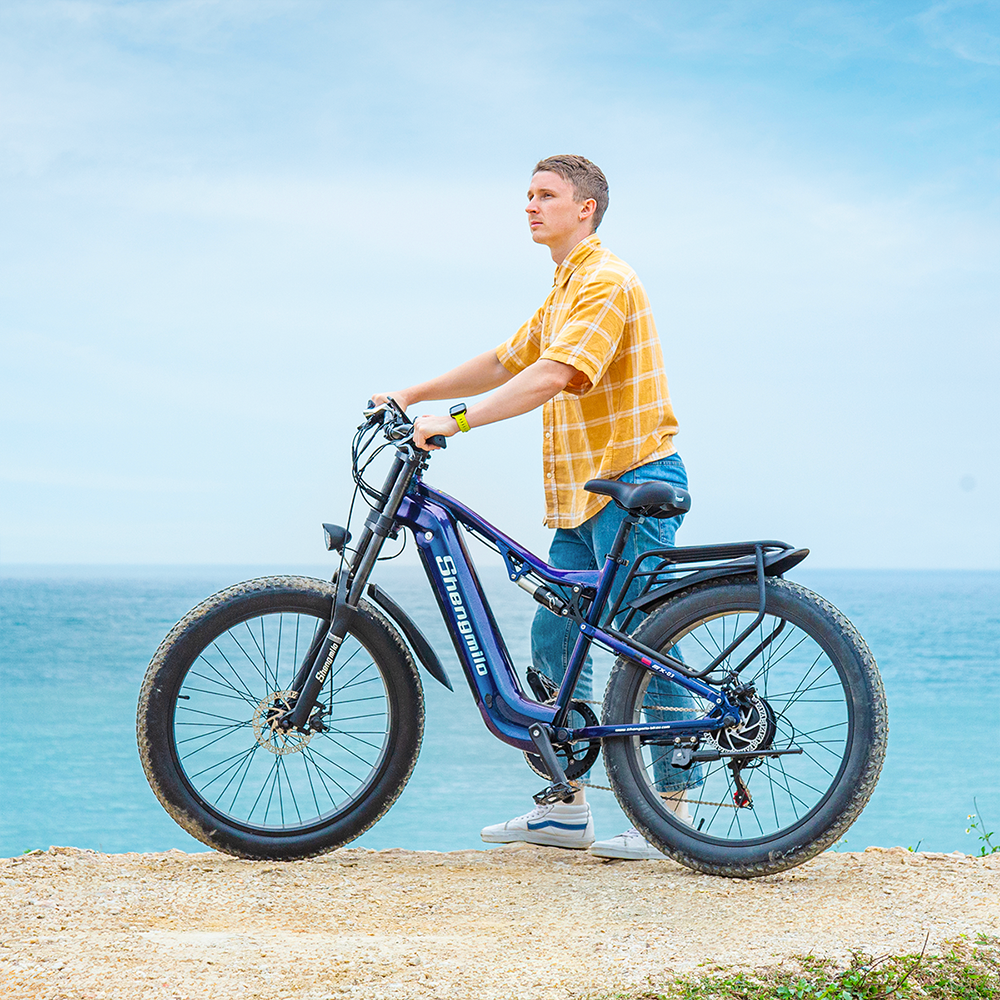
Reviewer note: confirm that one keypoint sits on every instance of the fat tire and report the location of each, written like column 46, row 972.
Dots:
column 181, row 648
column 861, row 763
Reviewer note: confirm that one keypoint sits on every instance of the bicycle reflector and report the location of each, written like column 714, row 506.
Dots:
column 335, row 537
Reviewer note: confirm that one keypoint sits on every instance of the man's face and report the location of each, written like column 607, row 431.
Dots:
column 553, row 215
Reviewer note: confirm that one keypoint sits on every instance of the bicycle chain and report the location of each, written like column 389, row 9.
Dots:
column 646, row 708
column 693, row 802
column 656, row 708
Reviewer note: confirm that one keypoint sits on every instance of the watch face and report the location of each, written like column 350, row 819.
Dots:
column 459, row 408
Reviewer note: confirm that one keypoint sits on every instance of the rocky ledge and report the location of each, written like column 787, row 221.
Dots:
column 517, row 921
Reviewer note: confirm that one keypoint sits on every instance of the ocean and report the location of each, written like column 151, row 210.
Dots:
column 75, row 642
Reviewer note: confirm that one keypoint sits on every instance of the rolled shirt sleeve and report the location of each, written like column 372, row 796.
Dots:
column 524, row 348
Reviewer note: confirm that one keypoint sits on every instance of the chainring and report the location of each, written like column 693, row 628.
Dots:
column 576, row 758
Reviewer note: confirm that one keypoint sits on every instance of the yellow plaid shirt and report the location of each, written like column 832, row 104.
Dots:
column 597, row 319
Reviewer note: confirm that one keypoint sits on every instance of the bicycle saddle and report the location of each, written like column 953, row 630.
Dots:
column 645, row 499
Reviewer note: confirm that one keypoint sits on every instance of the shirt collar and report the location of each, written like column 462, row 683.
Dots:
column 575, row 258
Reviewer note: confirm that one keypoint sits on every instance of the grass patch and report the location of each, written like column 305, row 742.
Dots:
column 966, row 971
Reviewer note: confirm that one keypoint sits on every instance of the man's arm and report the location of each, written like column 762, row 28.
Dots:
column 535, row 385
column 482, row 373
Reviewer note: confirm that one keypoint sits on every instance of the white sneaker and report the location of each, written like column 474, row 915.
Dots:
column 630, row 845
column 558, row 824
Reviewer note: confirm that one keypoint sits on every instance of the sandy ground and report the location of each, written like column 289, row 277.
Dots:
column 517, row 921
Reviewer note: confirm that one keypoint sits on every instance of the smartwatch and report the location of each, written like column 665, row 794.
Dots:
column 458, row 412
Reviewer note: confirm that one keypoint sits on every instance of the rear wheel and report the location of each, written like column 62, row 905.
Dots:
column 207, row 722
column 815, row 689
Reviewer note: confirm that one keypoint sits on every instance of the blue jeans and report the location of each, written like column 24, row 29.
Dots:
column 585, row 547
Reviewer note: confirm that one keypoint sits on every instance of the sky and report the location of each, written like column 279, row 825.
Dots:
column 225, row 224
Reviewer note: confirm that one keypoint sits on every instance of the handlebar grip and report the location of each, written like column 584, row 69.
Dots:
column 439, row 440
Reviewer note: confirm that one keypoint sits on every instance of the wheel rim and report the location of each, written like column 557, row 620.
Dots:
column 247, row 772
column 806, row 705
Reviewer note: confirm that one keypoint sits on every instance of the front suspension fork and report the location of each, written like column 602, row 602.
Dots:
column 318, row 661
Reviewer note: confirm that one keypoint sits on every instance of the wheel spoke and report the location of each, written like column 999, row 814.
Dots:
column 223, row 731
column 345, row 749
column 246, row 693
column 253, row 663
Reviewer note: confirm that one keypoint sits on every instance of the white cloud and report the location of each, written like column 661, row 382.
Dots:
column 966, row 28
column 219, row 253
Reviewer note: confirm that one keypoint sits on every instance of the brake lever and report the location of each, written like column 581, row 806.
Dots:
column 374, row 414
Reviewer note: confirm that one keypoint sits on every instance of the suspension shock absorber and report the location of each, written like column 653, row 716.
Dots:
column 546, row 597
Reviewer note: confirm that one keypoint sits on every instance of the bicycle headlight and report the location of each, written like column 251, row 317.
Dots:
column 335, row 537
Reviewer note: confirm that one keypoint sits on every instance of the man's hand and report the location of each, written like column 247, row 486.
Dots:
column 378, row 398
column 429, row 425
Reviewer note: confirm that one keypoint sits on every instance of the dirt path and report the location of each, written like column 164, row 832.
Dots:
column 518, row 921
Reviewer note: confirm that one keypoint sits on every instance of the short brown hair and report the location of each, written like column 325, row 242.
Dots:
column 587, row 178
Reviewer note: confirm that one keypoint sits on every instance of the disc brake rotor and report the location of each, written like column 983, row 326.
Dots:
column 755, row 731
column 266, row 723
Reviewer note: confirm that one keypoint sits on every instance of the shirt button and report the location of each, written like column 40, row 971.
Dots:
column 548, row 475
column 548, row 434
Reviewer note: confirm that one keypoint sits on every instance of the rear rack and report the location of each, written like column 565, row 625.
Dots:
column 664, row 576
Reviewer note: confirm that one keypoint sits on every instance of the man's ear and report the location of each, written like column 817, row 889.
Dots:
column 587, row 209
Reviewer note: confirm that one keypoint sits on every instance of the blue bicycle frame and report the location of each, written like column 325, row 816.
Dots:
column 434, row 518
column 583, row 596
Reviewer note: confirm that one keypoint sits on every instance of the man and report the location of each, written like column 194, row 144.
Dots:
column 590, row 357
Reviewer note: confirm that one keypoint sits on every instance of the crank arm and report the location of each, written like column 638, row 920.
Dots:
column 560, row 790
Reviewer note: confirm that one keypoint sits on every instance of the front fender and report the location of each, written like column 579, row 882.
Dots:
column 418, row 642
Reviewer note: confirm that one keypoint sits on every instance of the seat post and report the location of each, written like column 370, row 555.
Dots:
column 624, row 530
column 612, row 562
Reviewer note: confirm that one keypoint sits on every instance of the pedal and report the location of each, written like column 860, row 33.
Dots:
column 558, row 791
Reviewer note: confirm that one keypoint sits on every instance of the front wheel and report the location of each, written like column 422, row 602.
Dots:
column 814, row 689
column 207, row 731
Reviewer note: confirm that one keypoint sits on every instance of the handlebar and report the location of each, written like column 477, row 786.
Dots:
column 400, row 425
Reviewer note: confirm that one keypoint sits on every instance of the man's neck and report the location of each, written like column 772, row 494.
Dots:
column 564, row 249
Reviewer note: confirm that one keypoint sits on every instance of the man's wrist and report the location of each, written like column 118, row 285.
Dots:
column 458, row 412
